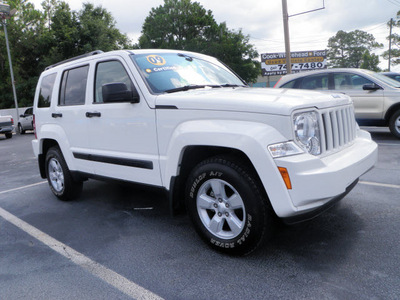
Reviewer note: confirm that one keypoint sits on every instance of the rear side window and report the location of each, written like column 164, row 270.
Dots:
column 289, row 85
column 73, row 86
column 46, row 89
column 315, row 82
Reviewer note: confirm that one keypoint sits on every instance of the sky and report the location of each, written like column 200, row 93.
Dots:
column 263, row 21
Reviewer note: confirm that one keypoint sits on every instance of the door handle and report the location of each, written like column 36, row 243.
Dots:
column 56, row 115
column 93, row 114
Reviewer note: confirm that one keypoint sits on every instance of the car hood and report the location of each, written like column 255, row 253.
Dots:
column 260, row 100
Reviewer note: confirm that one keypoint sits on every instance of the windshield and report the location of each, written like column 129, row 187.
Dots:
column 384, row 78
column 174, row 72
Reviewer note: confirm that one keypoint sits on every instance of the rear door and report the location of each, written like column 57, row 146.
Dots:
column 69, row 115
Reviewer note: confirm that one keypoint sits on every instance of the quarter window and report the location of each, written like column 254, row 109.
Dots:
column 110, row 72
column 73, row 86
column 46, row 89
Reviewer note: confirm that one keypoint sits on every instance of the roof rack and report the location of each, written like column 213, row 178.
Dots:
column 75, row 58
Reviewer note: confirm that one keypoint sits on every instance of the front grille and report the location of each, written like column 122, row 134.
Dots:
column 338, row 128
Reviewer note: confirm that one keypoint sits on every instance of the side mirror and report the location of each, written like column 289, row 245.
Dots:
column 371, row 87
column 118, row 92
column 22, row 116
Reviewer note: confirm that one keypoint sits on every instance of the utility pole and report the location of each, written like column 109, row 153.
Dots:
column 286, row 32
column 286, row 16
column 5, row 13
column 390, row 43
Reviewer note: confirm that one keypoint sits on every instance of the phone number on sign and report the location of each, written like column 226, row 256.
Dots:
column 306, row 66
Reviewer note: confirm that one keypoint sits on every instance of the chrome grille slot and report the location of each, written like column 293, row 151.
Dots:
column 338, row 128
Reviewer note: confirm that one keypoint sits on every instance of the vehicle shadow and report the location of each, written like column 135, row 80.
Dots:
column 323, row 240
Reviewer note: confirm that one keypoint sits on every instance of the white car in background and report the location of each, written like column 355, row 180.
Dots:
column 26, row 121
column 376, row 97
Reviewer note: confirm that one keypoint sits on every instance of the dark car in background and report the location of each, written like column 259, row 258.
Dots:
column 393, row 75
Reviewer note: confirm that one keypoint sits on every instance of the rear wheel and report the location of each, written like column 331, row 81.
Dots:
column 8, row 135
column 59, row 176
column 394, row 124
column 227, row 207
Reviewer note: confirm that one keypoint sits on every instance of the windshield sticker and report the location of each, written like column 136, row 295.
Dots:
column 161, row 69
column 156, row 60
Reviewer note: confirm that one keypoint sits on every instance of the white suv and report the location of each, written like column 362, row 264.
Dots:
column 235, row 156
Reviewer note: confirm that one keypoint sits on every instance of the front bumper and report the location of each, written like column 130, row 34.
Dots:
column 318, row 182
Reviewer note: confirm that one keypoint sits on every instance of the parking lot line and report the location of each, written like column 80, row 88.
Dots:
column 394, row 186
column 109, row 276
column 22, row 187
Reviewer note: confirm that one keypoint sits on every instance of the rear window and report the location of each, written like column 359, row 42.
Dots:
column 46, row 89
column 73, row 86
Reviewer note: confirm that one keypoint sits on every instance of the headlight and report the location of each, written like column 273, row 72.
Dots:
column 307, row 133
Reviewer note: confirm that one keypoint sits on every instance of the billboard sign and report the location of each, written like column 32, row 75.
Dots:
column 275, row 63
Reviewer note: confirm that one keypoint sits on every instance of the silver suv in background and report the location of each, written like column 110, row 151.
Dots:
column 376, row 97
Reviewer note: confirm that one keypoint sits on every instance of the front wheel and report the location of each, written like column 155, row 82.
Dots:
column 20, row 129
column 226, row 205
column 59, row 176
column 394, row 124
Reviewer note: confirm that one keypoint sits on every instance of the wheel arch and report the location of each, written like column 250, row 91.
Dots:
column 393, row 109
column 45, row 146
column 192, row 156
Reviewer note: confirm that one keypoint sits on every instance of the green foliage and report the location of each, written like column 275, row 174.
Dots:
column 39, row 38
column 395, row 52
column 370, row 62
column 346, row 49
column 186, row 25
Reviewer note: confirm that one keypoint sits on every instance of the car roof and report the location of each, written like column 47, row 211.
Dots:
column 289, row 77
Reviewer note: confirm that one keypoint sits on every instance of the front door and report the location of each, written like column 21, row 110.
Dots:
column 122, row 135
column 367, row 104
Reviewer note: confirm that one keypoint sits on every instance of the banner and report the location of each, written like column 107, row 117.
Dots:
column 275, row 63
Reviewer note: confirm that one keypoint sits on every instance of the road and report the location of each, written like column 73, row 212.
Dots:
column 120, row 242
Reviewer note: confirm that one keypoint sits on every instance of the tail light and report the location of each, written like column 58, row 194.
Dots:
column 34, row 126
column 12, row 121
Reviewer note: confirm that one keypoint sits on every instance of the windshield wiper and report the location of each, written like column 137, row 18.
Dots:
column 190, row 87
column 231, row 85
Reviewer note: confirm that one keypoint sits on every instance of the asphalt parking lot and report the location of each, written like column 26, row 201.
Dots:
column 120, row 242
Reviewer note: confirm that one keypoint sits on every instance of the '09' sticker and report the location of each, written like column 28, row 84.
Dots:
column 156, row 60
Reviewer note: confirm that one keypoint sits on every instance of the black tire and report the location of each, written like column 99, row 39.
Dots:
column 226, row 205
column 20, row 129
column 394, row 124
column 8, row 135
column 59, row 177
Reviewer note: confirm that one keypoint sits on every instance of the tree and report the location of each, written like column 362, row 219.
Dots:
column 73, row 33
column 370, row 62
column 23, row 31
column 346, row 49
column 395, row 37
column 186, row 25
column 41, row 38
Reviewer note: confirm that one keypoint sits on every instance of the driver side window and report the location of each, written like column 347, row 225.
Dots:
column 347, row 81
column 110, row 72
